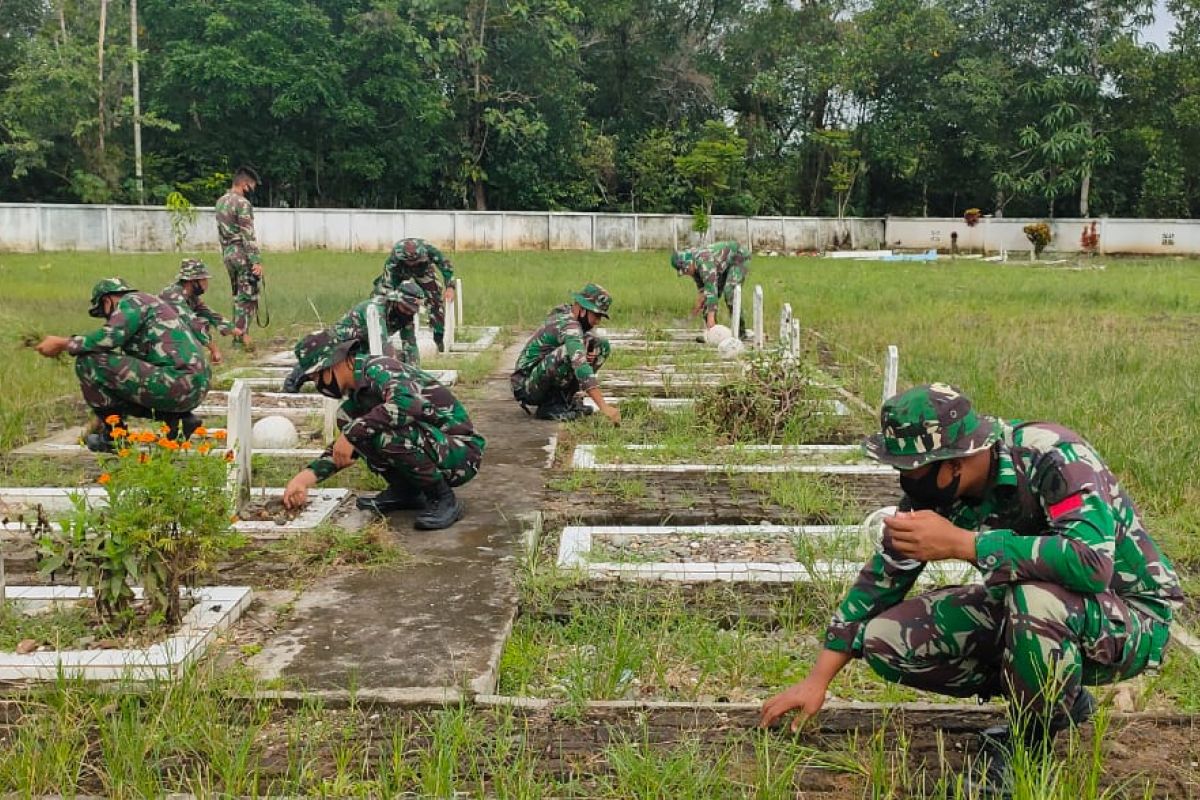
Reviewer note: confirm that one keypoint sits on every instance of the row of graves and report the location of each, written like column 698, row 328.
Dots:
column 260, row 427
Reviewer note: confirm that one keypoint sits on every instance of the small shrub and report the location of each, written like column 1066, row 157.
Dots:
column 1089, row 240
column 183, row 216
column 1038, row 234
column 972, row 216
column 168, row 515
column 773, row 401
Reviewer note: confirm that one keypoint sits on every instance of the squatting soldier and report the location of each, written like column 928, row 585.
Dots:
column 418, row 260
column 239, row 250
column 406, row 426
column 1075, row 591
column 717, row 270
column 185, row 295
column 562, row 357
column 144, row 362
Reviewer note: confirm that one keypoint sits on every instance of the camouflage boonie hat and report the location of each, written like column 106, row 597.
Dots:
column 407, row 296
column 404, row 250
column 929, row 423
column 104, row 287
column 322, row 350
column 594, row 297
column 193, row 269
column 680, row 260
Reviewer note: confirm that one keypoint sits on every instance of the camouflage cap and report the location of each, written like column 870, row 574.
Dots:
column 404, row 250
column 408, row 296
column 680, row 260
column 193, row 269
column 105, row 287
column 594, row 297
column 322, row 350
column 933, row 422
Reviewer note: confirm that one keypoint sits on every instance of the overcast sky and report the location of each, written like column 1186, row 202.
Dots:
column 1159, row 33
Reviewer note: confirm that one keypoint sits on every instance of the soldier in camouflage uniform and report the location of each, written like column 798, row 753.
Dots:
column 418, row 260
column 144, row 362
column 1075, row 591
column 717, row 270
column 562, row 357
column 406, row 426
column 239, row 250
column 185, row 294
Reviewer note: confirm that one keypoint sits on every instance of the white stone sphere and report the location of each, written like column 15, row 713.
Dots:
column 274, row 433
column 717, row 334
column 730, row 349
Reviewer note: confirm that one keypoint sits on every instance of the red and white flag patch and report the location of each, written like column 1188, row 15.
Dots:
column 1066, row 506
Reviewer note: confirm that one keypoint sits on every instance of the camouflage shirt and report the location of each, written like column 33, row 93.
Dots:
column 1053, row 513
column 354, row 324
column 427, row 258
column 560, row 329
column 235, row 226
column 707, row 275
column 392, row 395
column 202, row 317
column 148, row 328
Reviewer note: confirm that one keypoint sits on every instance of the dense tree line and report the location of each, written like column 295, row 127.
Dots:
column 768, row 107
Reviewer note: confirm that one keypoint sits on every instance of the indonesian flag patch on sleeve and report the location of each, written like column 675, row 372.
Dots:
column 1065, row 506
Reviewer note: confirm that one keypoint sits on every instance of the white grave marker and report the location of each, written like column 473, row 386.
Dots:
column 735, row 323
column 891, row 371
column 451, row 321
column 329, row 410
column 785, row 327
column 376, row 332
column 458, row 298
column 759, row 338
column 240, row 437
column 795, row 339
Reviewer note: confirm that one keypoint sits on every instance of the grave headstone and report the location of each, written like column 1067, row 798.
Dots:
column 376, row 332
column 458, row 298
column 329, row 411
column 240, row 438
column 891, row 371
column 785, row 328
column 795, row 341
column 759, row 338
column 735, row 323
column 451, row 324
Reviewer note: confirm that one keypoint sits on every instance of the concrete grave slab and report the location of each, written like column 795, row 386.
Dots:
column 216, row 608
column 576, row 544
column 271, row 378
column 809, row 458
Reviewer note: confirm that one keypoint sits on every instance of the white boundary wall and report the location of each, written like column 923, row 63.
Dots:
column 1134, row 236
column 29, row 227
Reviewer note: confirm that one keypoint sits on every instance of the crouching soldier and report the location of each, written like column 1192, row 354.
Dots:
column 562, row 357
column 185, row 294
column 397, row 308
column 144, row 362
column 716, row 270
column 1075, row 592
column 406, row 426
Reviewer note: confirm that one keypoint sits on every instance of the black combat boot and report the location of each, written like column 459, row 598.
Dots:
column 444, row 509
column 100, row 440
column 440, row 340
column 398, row 496
column 182, row 426
column 557, row 407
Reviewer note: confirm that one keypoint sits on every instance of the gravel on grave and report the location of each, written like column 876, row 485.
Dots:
column 682, row 548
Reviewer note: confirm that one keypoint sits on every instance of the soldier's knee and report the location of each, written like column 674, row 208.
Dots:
column 883, row 647
column 1034, row 602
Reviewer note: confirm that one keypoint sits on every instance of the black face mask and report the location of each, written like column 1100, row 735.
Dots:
column 197, row 288
column 584, row 322
column 329, row 389
column 925, row 492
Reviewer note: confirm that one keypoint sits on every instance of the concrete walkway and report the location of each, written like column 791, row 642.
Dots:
column 435, row 627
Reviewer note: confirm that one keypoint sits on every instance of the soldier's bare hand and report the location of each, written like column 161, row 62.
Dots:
column 613, row 413
column 448, row 295
column 236, row 333
column 343, row 452
column 257, row 270
column 215, row 352
column 295, row 494
column 805, row 698
column 52, row 346
column 928, row 536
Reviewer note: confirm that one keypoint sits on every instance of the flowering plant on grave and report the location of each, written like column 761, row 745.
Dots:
column 168, row 515
column 1038, row 234
column 971, row 216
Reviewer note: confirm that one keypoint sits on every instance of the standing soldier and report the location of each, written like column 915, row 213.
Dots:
column 562, row 357
column 144, row 362
column 406, row 426
column 185, row 294
column 418, row 260
column 397, row 307
column 239, row 250
column 716, row 269
column 1075, row 591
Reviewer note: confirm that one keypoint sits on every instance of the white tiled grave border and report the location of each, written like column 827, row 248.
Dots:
column 684, row 403
column 55, row 500
column 585, row 458
column 216, row 608
column 575, row 543
column 271, row 378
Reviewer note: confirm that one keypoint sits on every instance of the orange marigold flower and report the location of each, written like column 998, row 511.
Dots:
column 169, row 444
column 112, row 419
column 124, row 451
column 119, row 433
column 104, row 478
column 185, row 445
column 234, row 519
column 201, row 431
column 149, row 438
column 219, row 435
column 164, row 428
column 204, row 448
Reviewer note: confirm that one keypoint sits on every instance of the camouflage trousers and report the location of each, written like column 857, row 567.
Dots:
column 408, row 352
column 243, row 285
column 114, row 382
column 1036, row 643
column 422, row 455
column 551, row 377
column 733, row 277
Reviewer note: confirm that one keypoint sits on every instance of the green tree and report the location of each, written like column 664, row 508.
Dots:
column 711, row 165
